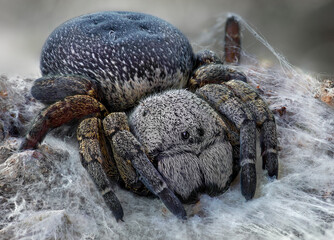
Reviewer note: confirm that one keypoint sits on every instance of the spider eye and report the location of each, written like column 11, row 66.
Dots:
column 185, row 135
column 144, row 113
column 200, row 131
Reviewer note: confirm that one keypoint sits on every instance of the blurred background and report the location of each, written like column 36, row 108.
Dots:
column 302, row 31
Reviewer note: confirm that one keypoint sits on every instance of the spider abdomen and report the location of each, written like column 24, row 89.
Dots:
column 129, row 54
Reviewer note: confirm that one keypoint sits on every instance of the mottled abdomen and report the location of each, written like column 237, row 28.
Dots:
column 129, row 54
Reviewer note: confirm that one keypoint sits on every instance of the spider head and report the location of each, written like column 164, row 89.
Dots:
column 187, row 141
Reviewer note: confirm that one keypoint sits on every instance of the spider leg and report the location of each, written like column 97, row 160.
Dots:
column 232, row 41
column 126, row 171
column 269, row 147
column 59, row 113
column 51, row 89
column 95, row 159
column 265, row 120
column 127, row 147
column 214, row 73
column 206, row 57
column 235, row 111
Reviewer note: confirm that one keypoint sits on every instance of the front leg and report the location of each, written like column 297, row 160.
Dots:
column 126, row 146
column 243, row 106
column 265, row 121
column 95, row 158
column 225, row 102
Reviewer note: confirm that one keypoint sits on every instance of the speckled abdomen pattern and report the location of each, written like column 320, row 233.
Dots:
column 129, row 54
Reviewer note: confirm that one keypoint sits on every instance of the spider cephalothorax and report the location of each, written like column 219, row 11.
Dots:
column 187, row 141
column 178, row 143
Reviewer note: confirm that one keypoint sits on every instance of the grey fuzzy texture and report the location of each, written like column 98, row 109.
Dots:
column 128, row 54
column 126, row 146
column 231, row 106
column 203, row 161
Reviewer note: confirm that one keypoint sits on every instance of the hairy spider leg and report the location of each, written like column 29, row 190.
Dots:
column 127, row 147
column 264, row 120
column 214, row 73
column 93, row 146
column 117, row 121
column 206, row 57
column 50, row 89
column 59, row 113
column 236, row 111
column 97, row 160
column 232, row 41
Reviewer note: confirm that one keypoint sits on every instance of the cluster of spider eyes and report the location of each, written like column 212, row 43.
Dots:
column 185, row 135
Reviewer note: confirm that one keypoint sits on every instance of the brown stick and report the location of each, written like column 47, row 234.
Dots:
column 232, row 41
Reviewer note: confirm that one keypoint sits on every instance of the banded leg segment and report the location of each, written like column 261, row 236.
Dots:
column 232, row 108
column 264, row 120
column 117, row 121
column 59, row 113
column 51, row 89
column 269, row 147
column 248, row 158
column 127, row 147
column 95, row 159
column 93, row 146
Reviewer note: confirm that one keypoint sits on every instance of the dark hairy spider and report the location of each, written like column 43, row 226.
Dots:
column 124, row 74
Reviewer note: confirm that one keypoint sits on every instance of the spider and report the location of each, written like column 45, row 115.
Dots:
column 119, row 71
